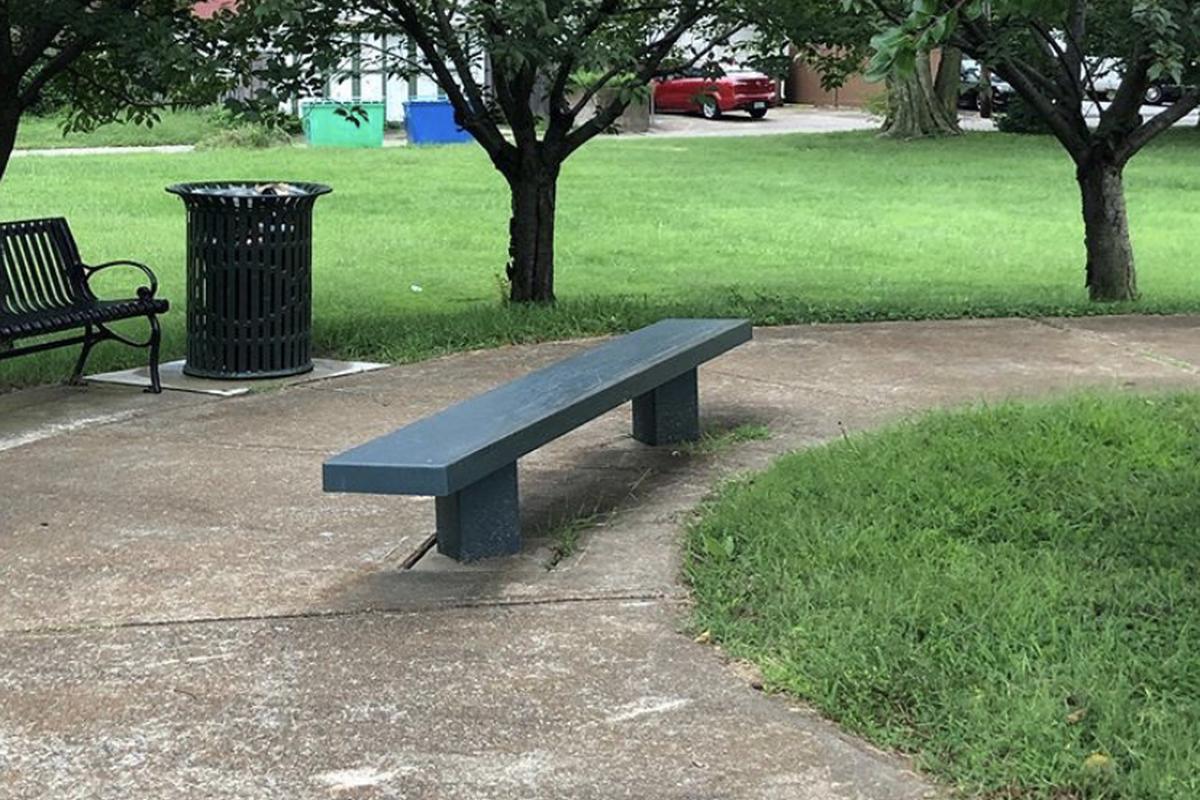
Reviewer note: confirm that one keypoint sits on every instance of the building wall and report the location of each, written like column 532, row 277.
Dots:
column 207, row 9
column 804, row 86
column 366, row 79
column 731, row 52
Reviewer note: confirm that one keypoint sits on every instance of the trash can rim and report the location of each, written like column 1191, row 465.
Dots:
column 198, row 189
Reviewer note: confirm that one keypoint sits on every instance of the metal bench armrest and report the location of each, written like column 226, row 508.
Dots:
column 143, row 292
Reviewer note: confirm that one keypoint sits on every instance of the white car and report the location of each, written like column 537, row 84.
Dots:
column 1107, row 74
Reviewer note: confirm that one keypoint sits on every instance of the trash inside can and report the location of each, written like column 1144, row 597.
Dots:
column 432, row 122
column 332, row 123
column 249, row 278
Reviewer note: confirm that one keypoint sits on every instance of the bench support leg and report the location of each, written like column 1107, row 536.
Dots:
column 670, row 413
column 482, row 520
column 90, row 338
column 155, row 344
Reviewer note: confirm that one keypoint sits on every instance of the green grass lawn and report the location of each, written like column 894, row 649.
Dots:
column 175, row 127
column 781, row 229
column 1011, row 594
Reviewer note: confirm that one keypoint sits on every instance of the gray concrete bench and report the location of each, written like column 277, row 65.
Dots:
column 466, row 456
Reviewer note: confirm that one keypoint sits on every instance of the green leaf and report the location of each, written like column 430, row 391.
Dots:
column 906, row 59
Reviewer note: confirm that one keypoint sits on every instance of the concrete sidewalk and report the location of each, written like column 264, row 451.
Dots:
column 184, row 614
column 116, row 150
column 792, row 118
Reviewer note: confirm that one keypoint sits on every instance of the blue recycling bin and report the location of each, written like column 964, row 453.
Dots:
column 432, row 122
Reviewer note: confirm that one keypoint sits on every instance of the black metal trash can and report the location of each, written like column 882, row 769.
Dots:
column 249, row 278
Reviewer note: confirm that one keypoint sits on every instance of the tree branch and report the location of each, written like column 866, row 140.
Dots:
column 58, row 64
column 462, row 64
column 562, row 116
column 1072, row 81
column 386, row 54
column 1076, row 31
column 653, row 56
column 1074, row 137
column 1121, row 115
column 1052, row 87
column 7, row 66
column 42, row 38
column 473, row 112
column 1069, row 127
column 1160, row 122
column 653, row 53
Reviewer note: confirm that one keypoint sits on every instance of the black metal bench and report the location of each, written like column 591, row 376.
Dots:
column 466, row 456
column 45, row 290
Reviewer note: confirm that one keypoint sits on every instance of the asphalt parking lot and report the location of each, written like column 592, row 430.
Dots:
column 822, row 119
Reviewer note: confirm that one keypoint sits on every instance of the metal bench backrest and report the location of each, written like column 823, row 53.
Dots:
column 40, row 268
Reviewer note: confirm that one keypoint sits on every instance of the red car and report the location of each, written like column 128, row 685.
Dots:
column 735, row 91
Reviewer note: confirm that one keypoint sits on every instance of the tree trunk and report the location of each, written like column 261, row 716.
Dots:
column 914, row 109
column 986, row 95
column 948, row 84
column 10, row 118
column 531, row 234
column 1110, row 272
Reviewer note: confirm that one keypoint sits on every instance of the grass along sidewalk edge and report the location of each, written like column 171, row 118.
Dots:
column 1006, row 593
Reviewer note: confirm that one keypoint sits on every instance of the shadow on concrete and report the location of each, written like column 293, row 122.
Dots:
column 594, row 501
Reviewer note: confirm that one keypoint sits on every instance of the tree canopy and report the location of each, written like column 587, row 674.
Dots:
column 1053, row 53
column 107, row 60
column 824, row 33
column 531, row 80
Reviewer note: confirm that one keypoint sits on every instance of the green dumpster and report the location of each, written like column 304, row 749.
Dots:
column 333, row 123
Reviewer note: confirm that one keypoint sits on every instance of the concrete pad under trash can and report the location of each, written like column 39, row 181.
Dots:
column 173, row 378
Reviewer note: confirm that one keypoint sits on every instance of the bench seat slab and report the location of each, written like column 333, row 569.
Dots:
column 481, row 520
column 466, row 455
column 458, row 446
column 668, row 414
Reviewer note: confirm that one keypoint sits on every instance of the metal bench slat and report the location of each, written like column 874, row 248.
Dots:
column 44, row 290
column 442, row 453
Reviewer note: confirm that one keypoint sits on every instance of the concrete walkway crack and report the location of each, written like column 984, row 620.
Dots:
column 1130, row 346
column 670, row 597
column 791, row 385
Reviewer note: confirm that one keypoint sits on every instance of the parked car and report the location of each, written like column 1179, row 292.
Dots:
column 1164, row 92
column 968, row 96
column 1107, row 74
column 736, row 90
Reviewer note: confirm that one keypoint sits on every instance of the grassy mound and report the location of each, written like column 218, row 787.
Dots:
column 1011, row 594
